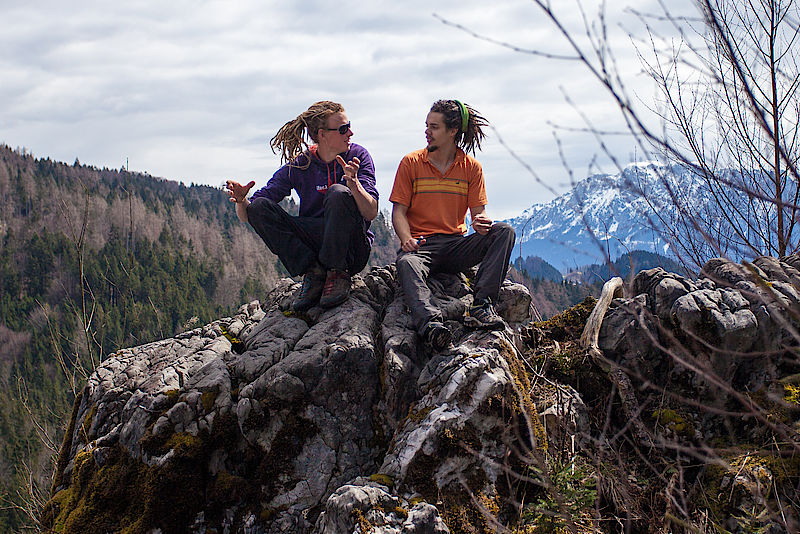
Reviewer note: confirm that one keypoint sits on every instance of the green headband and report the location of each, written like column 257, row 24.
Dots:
column 464, row 116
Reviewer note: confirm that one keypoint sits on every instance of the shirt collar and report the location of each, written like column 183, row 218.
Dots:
column 460, row 155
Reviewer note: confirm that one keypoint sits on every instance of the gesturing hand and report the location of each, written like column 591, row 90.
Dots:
column 350, row 170
column 237, row 191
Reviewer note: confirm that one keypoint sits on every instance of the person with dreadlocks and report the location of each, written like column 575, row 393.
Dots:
column 329, row 240
column 432, row 191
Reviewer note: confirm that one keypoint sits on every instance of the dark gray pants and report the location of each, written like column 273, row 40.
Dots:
column 338, row 240
column 453, row 254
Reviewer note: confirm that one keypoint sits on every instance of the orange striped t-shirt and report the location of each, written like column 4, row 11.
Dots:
column 437, row 203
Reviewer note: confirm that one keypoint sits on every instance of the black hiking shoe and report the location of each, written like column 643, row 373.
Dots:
column 481, row 315
column 310, row 291
column 337, row 287
column 437, row 335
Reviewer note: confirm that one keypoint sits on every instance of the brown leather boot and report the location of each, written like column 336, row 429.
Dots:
column 336, row 290
column 310, row 291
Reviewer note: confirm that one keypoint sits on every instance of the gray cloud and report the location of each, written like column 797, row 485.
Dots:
column 193, row 90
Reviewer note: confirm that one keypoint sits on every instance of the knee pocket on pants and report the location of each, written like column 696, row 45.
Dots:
column 407, row 263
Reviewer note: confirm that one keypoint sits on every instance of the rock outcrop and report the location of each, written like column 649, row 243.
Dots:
column 340, row 421
column 714, row 363
column 272, row 422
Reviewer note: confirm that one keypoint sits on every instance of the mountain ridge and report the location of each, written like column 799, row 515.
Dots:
column 604, row 216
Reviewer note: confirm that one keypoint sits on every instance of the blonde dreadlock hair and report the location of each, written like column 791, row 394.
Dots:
column 291, row 138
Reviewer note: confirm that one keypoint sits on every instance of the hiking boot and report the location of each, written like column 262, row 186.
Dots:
column 437, row 335
column 482, row 315
column 337, row 287
column 310, row 291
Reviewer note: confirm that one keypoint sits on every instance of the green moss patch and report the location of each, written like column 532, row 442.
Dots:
column 361, row 521
column 237, row 345
column 521, row 396
column 792, row 393
column 87, row 422
column 66, row 446
column 207, row 399
column 125, row 495
column 670, row 419
column 418, row 415
column 555, row 351
column 567, row 325
column 380, row 478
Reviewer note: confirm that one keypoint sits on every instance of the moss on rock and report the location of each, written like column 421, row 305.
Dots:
column 567, row 325
column 742, row 480
column 87, row 422
column 522, row 396
column 126, row 495
column 207, row 399
column 380, row 478
column 670, row 419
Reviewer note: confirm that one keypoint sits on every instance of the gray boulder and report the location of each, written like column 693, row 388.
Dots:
column 326, row 422
column 730, row 325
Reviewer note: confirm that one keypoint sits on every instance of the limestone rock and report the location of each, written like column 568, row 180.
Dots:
column 515, row 303
column 720, row 316
column 341, row 421
column 699, row 373
column 371, row 507
column 742, row 313
column 269, row 421
column 662, row 289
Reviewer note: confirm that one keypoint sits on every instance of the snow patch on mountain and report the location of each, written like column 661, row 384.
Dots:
column 606, row 215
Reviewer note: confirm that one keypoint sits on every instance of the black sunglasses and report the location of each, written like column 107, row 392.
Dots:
column 341, row 129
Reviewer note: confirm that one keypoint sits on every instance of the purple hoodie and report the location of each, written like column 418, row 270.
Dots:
column 312, row 182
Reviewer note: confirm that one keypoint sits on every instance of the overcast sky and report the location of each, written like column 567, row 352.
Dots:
column 193, row 90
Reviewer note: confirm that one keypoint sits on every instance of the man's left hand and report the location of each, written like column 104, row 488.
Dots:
column 482, row 224
column 350, row 170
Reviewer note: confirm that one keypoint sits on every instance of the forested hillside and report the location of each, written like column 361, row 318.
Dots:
column 633, row 262
column 537, row 268
column 552, row 294
column 549, row 297
column 93, row 260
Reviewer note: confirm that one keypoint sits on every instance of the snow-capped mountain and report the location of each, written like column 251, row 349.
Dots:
column 607, row 213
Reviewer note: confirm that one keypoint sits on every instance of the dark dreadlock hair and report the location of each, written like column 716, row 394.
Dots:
column 468, row 139
column 291, row 138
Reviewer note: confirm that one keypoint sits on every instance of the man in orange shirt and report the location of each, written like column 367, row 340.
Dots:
column 432, row 191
